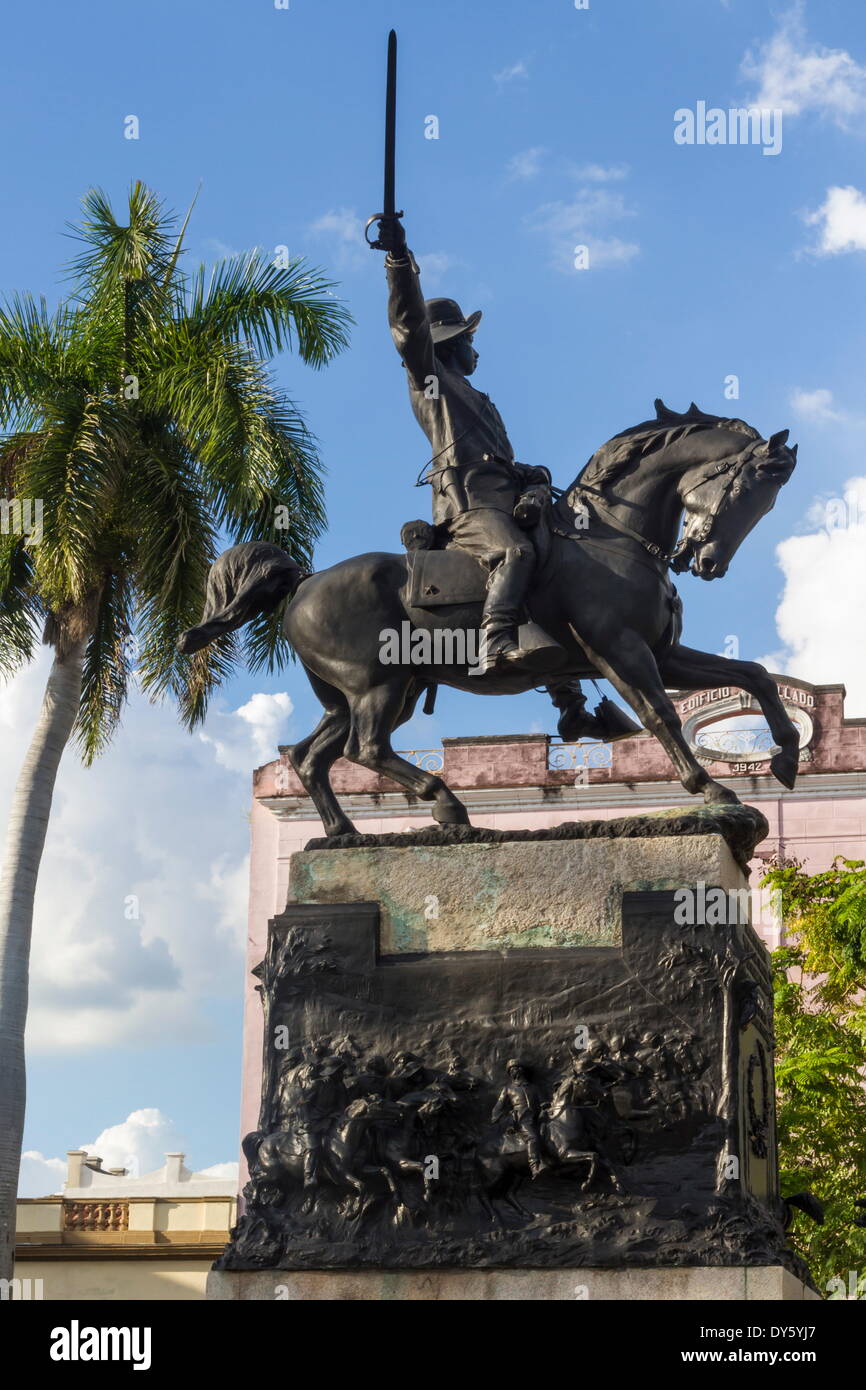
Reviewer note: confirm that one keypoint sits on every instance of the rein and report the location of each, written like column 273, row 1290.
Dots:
column 730, row 465
column 607, row 515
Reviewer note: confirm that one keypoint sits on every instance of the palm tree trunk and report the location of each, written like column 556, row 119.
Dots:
column 25, row 839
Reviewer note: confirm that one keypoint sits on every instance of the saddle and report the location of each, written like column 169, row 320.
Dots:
column 443, row 578
column 454, row 579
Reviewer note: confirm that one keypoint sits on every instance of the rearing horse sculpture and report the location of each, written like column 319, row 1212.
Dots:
column 602, row 591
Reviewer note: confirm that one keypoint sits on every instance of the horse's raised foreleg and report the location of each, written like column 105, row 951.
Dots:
column 374, row 714
column 591, row 1171
column 628, row 663
column 692, row 670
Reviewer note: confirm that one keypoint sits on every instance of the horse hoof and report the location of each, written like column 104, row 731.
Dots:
column 340, row 827
column 717, row 795
column 451, row 814
column 784, row 768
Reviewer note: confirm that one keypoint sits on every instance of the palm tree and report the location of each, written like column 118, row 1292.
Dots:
column 141, row 418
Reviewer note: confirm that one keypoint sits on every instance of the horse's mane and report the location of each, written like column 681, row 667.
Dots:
column 625, row 451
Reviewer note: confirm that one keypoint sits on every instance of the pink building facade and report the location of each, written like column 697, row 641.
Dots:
column 529, row 781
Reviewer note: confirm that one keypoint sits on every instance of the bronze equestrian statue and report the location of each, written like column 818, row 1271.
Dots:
column 602, row 592
column 560, row 585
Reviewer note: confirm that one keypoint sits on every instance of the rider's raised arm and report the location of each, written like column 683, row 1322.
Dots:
column 407, row 317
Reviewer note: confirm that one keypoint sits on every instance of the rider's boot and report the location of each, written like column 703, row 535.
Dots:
column 537, row 1162
column 500, row 620
column 608, row 723
column 311, row 1179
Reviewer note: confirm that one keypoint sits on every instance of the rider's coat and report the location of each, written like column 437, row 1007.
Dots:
column 473, row 466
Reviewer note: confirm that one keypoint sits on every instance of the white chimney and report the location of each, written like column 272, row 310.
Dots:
column 74, row 1164
column 173, row 1166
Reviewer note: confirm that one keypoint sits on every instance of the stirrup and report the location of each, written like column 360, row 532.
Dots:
column 508, row 655
column 534, row 651
column 608, row 723
column 615, row 721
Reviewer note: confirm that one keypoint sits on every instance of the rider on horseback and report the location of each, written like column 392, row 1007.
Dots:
column 475, row 478
column 520, row 1101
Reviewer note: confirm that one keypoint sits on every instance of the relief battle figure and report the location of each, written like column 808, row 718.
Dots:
column 520, row 1100
column 577, row 1124
column 407, row 1139
column 321, row 1095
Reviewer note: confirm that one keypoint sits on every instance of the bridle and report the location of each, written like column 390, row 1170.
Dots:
column 732, row 466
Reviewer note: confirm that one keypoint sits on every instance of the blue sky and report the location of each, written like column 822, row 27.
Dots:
column 555, row 129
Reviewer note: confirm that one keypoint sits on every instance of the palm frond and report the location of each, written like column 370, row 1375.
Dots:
column 115, row 253
column 253, row 445
column 35, row 360
column 171, row 268
column 74, row 469
column 137, row 486
column 272, row 307
column 21, row 614
column 108, row 662
column 176, row 547
column 263, row 644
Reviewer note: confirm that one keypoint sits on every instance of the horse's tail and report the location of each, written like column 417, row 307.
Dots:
column 243, row 582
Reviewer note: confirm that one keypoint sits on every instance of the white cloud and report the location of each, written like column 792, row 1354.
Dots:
column 511, row 74
column 141, row 905
column 796, row 76
column 585, row 220
column 819, row 617
column 434, row 266
column 39, row 1176
column 526, row 164
column 139, row 1144
column 842, row 222
column 342, row 223
column 220, row 1170
column 343, row 230
column 219, row 249
column 602, row 173
column 254, row 740
column 816, row 405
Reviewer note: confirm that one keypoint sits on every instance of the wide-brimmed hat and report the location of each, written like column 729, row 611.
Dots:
column 447, row 320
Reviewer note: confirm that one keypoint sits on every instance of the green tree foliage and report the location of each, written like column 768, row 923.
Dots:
column 820, row 979
column 143, row 416
column 141, row 427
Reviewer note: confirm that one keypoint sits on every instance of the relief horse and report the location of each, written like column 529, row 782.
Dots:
column 602, row 592
column 347, row 1160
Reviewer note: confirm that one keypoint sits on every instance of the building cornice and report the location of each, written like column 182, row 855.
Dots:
column 591, row 796
column 209, row 1252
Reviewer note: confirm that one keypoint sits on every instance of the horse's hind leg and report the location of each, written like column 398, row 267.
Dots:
column 313, row 757
column 515, row 1181
column 374, row 715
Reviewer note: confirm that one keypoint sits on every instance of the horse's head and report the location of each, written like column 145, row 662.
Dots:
column 723, row 501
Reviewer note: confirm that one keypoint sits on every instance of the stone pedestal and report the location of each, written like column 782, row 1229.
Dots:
column 765, row 1284
column 516, row 1065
